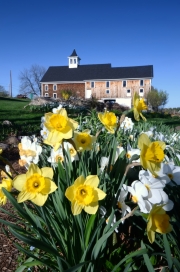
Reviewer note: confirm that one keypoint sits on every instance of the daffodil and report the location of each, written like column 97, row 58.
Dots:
column 158, row 221
column 7, row 184
column 138, row 106
column 84, row 195
column 29, row 151
column 83, row 140
column 103, row 212
column 139, row 194
column 127, row 124
column 59, row 126
column 109, row 120
column 35, row 185
column 121, row 201
column 152, row 153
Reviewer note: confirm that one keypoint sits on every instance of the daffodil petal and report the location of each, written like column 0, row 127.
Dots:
column 19, row 182
column 39, row 199
column 47, row 172
column 91, row 209
column 70, row 193
column 80, row 180
column 92, row 180
column 24, row 195
column 100, row 194
column 76, row 208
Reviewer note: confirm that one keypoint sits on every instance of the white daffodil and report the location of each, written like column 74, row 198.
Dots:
column 103, row 163
column 139, row 192
column 56, row 156
column 29, row 151
column 121, row 201
column 172, row 171
column 153, row 185
column 166, row 202
column 119, row 150
column 127, row 124
column 44, row 132
column 56, row 110
column 72, row 151
column 132, row 151
column 103, row 212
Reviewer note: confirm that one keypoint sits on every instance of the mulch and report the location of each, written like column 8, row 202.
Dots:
column 8, row 252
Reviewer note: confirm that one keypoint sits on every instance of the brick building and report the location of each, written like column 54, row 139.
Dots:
column 116, row 84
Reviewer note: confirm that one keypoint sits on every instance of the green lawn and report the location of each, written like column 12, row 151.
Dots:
column 22, row 119
column 14, row 111
column 27, row 122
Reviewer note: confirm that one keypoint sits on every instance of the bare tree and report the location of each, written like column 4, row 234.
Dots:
column 30, row 79
column 3, row 92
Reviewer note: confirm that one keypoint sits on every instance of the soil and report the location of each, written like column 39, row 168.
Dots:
column 8, row 252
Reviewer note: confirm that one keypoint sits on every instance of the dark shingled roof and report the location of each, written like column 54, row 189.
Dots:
column 96, row 72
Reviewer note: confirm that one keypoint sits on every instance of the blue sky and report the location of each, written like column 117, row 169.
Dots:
column 120, row 32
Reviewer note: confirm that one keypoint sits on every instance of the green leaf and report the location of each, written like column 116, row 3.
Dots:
column 28, row 263
column 167, row 251
column 146, row 259
column 23, row 266
column 76, row 267
column 129, row 256
column 89, row 228
column 35, row 242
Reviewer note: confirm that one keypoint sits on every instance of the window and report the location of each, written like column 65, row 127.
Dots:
column 107, row 84
column 54, row 87
column 107, row 92
column 128, row 92
column 46, row 87
column 141, row 82
column 141, row 92
column 75, row 61
column 92, row 84
column 54, row 95
column 71, row 61
column 124, row 83
column 46, row 94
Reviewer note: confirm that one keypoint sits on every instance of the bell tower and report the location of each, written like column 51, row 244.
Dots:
column 74, row 60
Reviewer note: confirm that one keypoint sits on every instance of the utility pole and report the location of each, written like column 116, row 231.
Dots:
column 10, row 85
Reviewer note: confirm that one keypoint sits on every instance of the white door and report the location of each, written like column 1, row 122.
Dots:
column 88, row 93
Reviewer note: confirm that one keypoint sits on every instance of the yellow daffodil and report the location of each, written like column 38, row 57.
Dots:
column 152, row 153
column 59, row 126
column 84, row 194
column 7, row 184
column 138, row 106
column 83, row 140
column 1, row 150
column 158, row 221
column 35, row 185
column 109, row 120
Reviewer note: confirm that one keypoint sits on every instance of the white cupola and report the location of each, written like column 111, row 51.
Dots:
column 74, row 60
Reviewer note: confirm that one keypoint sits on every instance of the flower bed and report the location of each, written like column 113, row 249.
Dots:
column 99, row 194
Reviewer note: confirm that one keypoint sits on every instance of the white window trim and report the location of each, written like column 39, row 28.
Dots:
column 126, row 83
column 141, row 93
column 46, row 94
column 108, row 91
column 54, row 85
column 54, row 95
column 128, row 94
column 46, row 87
column 107, row 87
